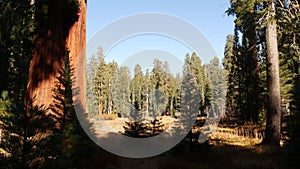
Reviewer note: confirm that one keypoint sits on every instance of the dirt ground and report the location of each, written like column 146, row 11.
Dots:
column 201, row 156
column 220, row 152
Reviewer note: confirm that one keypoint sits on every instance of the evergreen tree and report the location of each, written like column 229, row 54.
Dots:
column 169, row 88
column 121, row 91
column 288, row 35
column 146, row 91
column 230, row 67
column 17, row 37
column 177, row 96
column 190, row 98
column 91, row 76
column 158, row 99
column 260, row 23
column 29, row 131
column 218, row 85
column 294, row 123
column 203, row 82
column 27, row 135
column 75, row 144
column 189, row 91
column 26, row 129
column 112, row 70
column 101, row 80
column 246, row 13
column 273, row 125
column 136, row 88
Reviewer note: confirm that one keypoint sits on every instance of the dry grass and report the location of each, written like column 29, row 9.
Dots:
column 106, row 117
column 200, row 157
column 225, row 150
column 4, row 154
column 221, row 135
column 224, row 137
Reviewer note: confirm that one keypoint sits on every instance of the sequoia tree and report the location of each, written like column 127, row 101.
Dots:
column 273, row 128
column 56, row 35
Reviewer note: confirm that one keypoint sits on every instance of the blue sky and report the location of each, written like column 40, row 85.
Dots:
column 207, row 16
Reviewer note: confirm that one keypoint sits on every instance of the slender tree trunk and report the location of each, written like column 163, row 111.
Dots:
column 171, row 105
column 147, row 104
column 133, row 96
column 273, row 128
column 110, row 104
column 123, row 104
column 100, row 107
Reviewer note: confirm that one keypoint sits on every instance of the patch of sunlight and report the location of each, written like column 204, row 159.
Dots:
column 231, row 139
column 4, row 153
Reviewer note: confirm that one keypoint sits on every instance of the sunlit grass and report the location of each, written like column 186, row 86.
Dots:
column 3, row 153
column 218, row 138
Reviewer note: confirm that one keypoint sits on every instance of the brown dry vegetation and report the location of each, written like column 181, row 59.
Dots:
column 199, row 157
column 226, row 149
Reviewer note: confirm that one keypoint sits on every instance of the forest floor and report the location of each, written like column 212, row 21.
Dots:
column 222, row 151
column 200, row 156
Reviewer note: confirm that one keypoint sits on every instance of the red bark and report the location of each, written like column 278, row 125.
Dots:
column 76, row 43
column 53, row 41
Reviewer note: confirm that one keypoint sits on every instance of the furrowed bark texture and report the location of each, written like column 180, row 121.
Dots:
column 273, row 128
column 67, row 32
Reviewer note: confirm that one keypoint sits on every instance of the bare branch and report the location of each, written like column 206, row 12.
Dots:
column 281, row 3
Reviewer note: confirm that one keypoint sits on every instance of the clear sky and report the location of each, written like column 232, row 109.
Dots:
column 207, row 16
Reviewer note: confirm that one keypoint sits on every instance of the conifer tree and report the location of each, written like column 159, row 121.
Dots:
column 146, row 91
column 112, row 70
column 229, row 64
column 218, row 85
column 248, row 56
column 189, row 98
column 260, row 23
column 101, row 82
column 136, row 88
column 273, row 125
column 121, row 91
column 157, row 98
column 92, row 67
column 26, row 129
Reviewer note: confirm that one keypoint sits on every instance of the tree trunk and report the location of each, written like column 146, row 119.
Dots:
column 123, row 104
column 47, row 56
column 100, row 107
column 273, row 128
column 147, row 104
column 253, row 80
column 171, row 105
column 76, row 43
column 66, row 32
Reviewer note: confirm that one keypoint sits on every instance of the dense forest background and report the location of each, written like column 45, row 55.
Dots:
column 112, row 90
column 259, row 83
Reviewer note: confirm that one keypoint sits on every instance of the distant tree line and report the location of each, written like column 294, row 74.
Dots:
column 111, row 88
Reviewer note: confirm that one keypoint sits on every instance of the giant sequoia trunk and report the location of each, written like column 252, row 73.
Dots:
column 273, row 128
column 76, row 44
column 62, row 30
